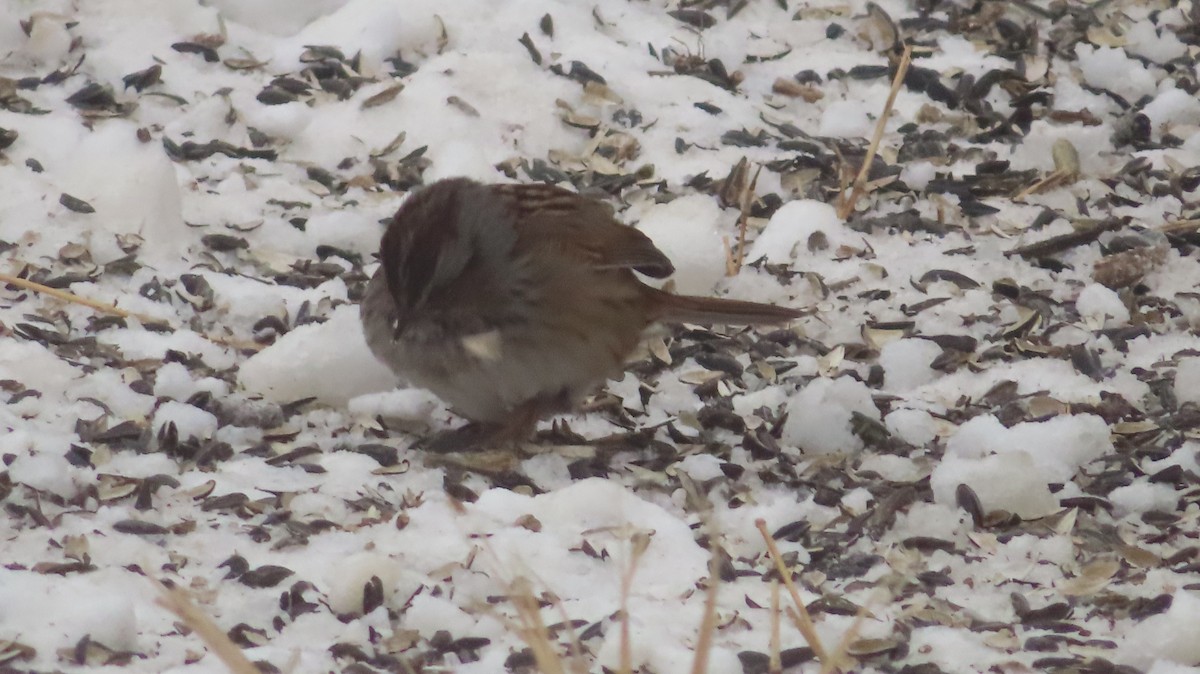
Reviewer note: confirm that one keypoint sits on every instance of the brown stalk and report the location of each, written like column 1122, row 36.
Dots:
column 1180, row 226
column 111, row 310
column 532, row 630
column 746, row 200
column 803, row 620
column 775, row 664
column 708, row 623
column 841, row 652
column 1052, row 180
column 640, row 542
column 730, row 268
column 177, row 601
column 860, row 181
column 74, row 299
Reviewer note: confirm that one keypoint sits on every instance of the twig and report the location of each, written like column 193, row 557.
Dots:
column 803, row 621
column 747, row 198
column 75, row 299
column 533, row 631
column 708, row 624
column 775, row 664
column 177, row 601
column 1051, row 181
column 112, row 310
column 1179, row 226
column 841, row 651
column 1066, row 169
column 640, row 542
column 847, row 206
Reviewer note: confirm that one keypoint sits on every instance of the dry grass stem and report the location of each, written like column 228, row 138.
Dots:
column 746, row 200
column 841, row 651
column 639, row 543
column 775, row 664
column 533, row 631
column 860, row 181
column 74, row 299
column 177, row 601
column 708, row 624
column 103, row 308
column 1180, row 226
column 1066, row 169
column 529, row 626
column 1051, row 181
column 804, row 622
column 730, row 266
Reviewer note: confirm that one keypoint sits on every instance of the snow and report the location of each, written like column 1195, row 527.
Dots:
column 820, row 415
column 845, row 119
column 45, row 470
column 792, row 226
column 1175, row 111
column 1011, row 468
column 190, row 421
column 686, row 229
column 702, row 467
column 329, row 361
column 1101, row 306
column 1141, row 497
column 1111, row 68
column 1001, row 481
column 906, row 363
column 916, row 427
column 1187, row 380
column 26, row 361
column 1173, row 636
column 1159, row 46
column 891, row 467
column 131, row 185
column 1060, row 446
column 109, row 615
column 1168, row 667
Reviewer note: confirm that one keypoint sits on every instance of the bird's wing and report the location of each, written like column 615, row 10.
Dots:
column 584, row 228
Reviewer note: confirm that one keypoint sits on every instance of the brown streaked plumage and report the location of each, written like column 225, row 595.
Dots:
column 513, row 302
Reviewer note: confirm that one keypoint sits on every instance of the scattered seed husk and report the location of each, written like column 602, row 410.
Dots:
column 383, row 97
column 75, row 204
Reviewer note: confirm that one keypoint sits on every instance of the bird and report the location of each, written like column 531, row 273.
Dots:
column 513, row 302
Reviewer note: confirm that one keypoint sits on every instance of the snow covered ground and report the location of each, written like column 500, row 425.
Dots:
column 985, row 435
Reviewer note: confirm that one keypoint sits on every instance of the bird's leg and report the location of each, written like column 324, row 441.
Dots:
column 516, row 429
column 473, row 436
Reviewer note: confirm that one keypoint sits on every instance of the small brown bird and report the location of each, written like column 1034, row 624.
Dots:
column 513, row 302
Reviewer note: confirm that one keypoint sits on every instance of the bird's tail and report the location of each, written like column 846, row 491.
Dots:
column 716, row 310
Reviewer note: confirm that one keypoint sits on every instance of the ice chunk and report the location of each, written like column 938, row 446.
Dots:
column 916, row 427
column 1058, row 446
column 190, row 422
column 686, row 230
column 819, row 415
column 787, row 233
column 1172, row 636
column 1141, row 497
column 1009, row 482
column 1111, row 69
column 906, row 363
column 329, row 361
column 131, row 185
column 1098, row 304
column 34, row 366
column 1187, row 381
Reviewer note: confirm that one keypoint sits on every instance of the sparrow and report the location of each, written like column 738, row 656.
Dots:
column 513, row 302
